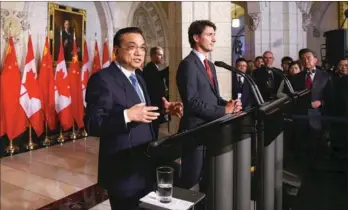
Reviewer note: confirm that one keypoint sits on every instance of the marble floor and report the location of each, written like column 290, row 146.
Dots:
column 35, row 179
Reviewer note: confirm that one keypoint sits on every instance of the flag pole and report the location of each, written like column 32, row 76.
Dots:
column 47, row 141
column 73, row 135
column 61, row 139
column 11, row 149
column 31, row 145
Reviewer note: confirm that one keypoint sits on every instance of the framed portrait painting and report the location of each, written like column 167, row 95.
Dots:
column 63, row 23
column 342, row 7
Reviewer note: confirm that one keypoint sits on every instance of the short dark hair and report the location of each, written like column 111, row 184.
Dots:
column 196, row 28
column 304, row 51
column 287, row 59
column 240, row 60
column 342, row 59
column 295, row 63
column 118, row 35
column 153, row 50
column 258, row 57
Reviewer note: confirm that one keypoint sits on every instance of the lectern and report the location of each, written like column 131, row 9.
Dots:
column 219, row 136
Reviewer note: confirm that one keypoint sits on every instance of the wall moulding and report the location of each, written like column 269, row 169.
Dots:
column 13, row 23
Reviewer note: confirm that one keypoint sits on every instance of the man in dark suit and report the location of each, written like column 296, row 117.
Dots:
column 319, row 103
column 155, row 84
column 67, row 41
column 240, row 87
column 199, row 91
column 119, row 112
column 267, row 81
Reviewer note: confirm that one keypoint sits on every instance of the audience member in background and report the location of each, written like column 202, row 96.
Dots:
column 319, row 103
column 286, row 61
column 154, row 84
column 251, row 67
column 267, row 81
column 240, row 87
column 258, row 62
column 294, row 68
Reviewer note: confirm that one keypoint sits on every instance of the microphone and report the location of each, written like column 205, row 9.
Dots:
column 285, row 78
column 254, row 88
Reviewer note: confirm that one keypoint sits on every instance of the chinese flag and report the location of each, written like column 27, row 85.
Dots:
column 62, row 91
column 76, row 89
column 2, row 121
column 12, row 114
column 30, row 97
column 106, row 57
column 96, row 59
column 84, row 72
column 46, row 82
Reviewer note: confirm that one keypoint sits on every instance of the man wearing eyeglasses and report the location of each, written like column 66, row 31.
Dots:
column 119, row 112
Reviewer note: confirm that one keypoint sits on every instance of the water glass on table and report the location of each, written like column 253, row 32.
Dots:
column 165, row 184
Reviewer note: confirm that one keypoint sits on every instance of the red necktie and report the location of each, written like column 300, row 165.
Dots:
column 309, row 81
column 210, row 74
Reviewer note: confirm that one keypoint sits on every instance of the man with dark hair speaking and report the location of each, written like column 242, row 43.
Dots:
column 119, row 112
column 199, row 90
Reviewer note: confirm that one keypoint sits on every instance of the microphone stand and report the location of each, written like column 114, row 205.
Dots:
column 254, row 88
column 286, row 80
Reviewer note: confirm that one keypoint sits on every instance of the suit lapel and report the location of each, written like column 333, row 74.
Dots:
column 143, row 87
column 316, row 79
column 201, row 67
column 132, row 97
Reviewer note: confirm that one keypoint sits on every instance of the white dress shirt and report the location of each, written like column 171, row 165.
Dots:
column 128, row 73
column 200, row 56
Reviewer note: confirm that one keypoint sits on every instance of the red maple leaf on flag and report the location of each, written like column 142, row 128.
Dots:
column 62, row 84
column 32, row 91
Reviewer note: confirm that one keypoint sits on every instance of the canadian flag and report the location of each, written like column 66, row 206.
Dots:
column 62, row 93
column 84, row 72
column 106, row 57
column 30, row 96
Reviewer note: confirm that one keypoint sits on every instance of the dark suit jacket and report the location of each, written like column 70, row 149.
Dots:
column 123, row 167
column 247, row 96
column 155, row 85
column 261, row 77
column 322, row 88
column 69, row 46
column 202, row 102
column 342, row 97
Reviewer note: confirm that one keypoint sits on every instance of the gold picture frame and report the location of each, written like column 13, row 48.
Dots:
column 66, row 20
column 342, row 6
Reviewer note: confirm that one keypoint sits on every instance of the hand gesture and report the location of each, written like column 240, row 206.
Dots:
column 316, row 104
column 142, row 113
column 173, row 108
column 233, row 106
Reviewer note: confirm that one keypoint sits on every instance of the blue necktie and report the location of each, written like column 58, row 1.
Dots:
column 134, row 80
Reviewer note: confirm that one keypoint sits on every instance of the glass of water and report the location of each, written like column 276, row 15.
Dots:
column 165, row 184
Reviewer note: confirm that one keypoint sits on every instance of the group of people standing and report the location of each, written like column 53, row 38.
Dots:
column 124, row 106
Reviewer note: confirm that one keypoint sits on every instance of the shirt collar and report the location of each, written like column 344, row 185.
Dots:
column 200, row 55
column 127, row 73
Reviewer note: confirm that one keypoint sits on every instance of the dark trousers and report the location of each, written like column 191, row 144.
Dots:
column 192, row 163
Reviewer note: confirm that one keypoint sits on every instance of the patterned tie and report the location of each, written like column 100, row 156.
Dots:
column 210, row 74
column 309, row 81
column 135, row 84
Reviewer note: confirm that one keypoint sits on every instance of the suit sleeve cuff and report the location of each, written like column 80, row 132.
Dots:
column 126, row 119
